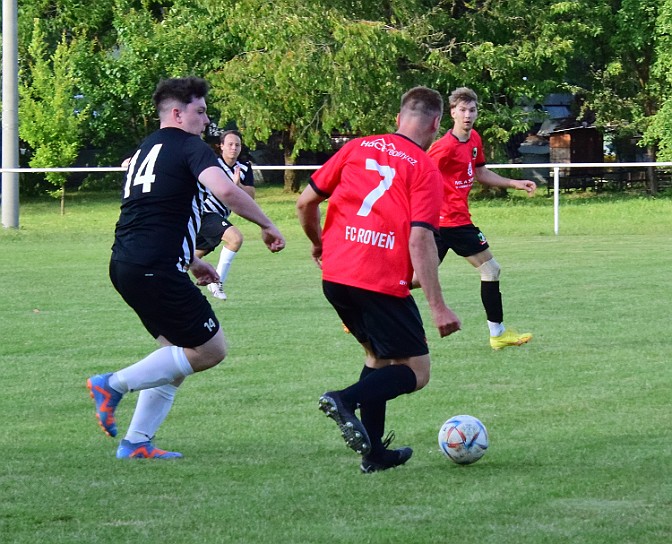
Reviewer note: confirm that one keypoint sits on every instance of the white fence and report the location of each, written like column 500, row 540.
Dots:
column 10, row 212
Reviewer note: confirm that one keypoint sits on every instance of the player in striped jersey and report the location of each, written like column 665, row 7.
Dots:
column 215, row 224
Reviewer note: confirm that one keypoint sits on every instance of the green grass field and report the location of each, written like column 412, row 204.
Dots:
column 579, row 419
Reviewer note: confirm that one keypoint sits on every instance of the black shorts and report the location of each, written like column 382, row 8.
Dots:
column 392, row 325
column 465, row 241
column 212, row 228
column 167, row 302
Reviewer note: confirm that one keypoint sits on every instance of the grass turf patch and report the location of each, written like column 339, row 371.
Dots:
column 578, row 419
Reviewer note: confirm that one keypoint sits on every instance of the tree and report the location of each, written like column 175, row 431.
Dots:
column 182, row 39
column 302, row 72
column 625, row 88
column 658, row 132
column 50, row 121
column 511, row 53
column 307, row 73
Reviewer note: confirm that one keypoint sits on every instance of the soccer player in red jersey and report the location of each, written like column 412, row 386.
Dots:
column 459, row 156
column 384, row 201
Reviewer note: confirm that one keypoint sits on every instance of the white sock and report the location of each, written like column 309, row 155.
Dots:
column 165, row 365
column 150, row 411
column 496, row 329
column 225, row 260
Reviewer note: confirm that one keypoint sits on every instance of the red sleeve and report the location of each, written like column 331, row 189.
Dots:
column 328, row 176
column 426, row 197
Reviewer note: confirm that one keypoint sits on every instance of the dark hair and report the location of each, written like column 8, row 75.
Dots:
column 422, row 100
column 224, row 134
column 182, row 89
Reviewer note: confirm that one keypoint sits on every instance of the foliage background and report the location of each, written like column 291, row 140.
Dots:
column 292, row 74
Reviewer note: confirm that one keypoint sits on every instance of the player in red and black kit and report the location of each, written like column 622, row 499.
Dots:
column 154, row 247
column 384, row 200
column 459, row 156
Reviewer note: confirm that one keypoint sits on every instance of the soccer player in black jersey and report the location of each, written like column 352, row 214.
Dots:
column 154, row 248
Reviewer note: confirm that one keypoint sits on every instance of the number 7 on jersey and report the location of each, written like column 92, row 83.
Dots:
column 387, row 173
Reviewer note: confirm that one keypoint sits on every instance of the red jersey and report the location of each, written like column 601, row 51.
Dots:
column 457, row 162
column 378, row 188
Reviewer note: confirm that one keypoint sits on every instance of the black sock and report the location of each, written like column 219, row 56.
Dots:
column 372, row 415
column 492, row 301
column 372, row 393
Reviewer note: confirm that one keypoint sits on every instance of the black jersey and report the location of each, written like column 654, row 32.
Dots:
column 212, row 204
column 162, row 200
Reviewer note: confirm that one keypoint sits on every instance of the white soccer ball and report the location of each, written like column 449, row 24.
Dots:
column 463, row 439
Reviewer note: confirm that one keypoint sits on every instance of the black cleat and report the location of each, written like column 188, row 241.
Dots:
column 352, row 429
column 385, row 458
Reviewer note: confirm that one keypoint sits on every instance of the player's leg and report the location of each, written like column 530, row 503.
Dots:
column 352, row 430
column 150, row 412
column 213, row 226
column 155, row 403
column 390, row 326
column 491, row 297
column 175, row 312
column 232, row 240
column 170, row 363
column 376, row 387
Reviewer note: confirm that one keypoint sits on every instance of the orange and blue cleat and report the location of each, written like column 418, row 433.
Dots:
column 106, row 400
column 143, row 450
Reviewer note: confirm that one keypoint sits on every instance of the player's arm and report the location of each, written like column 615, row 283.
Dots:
column 249, row 189
column 308, row 210
column 203, row 271
column 492, row 179
column 425, row 260
column 240, row 202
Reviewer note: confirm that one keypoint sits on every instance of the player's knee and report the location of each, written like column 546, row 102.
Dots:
column 422, row 376
column 233, row 239
column 421, row 381
column 490, row 270
column 209, row 355
column 219, row 355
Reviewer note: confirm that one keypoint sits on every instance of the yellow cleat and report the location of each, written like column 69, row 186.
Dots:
column 510, row 338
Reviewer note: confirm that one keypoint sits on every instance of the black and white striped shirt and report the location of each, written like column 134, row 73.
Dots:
column 212, row 204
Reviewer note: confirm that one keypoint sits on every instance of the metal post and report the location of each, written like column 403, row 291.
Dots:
column 556, row 200
column 10, row 114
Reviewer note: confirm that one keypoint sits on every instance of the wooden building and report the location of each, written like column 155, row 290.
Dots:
column 576, row 144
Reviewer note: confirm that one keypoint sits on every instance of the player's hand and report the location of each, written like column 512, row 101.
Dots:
column 446, row 321
column 236, row 175
column 316, row 254
column 525, row 185
column 203, row 272
column 273, row 239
